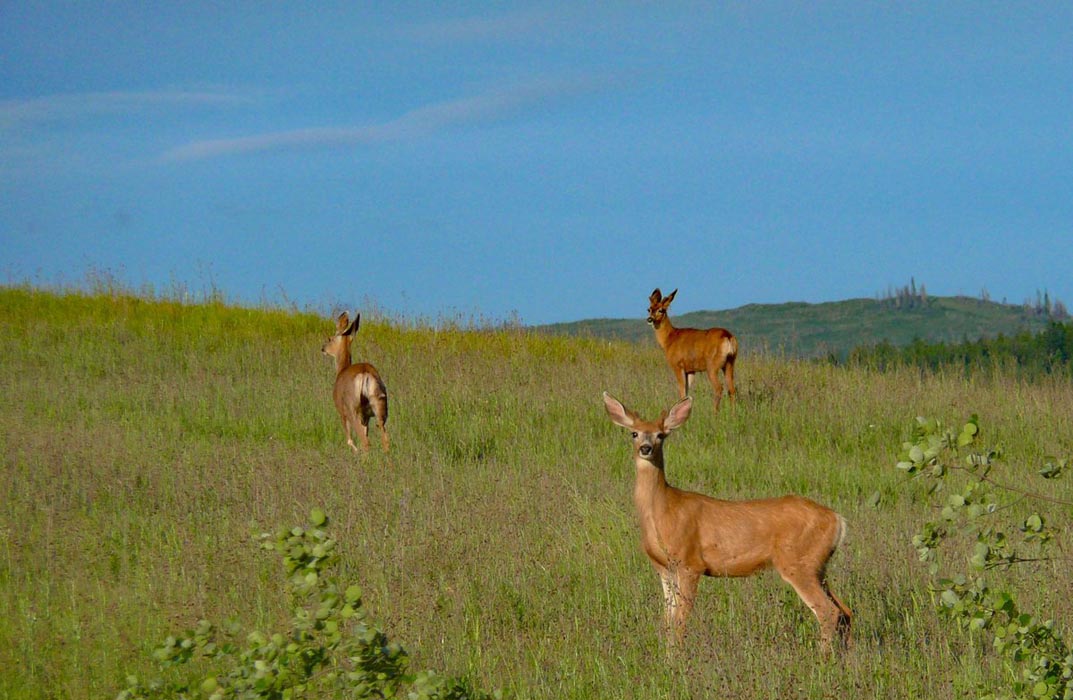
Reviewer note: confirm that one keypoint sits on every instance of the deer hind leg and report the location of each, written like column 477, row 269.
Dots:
column 348, row 423
column 728, row 372
column 845, row 616
column 363, row 431
column 830, row 615
column 714, row 366
column 380, row 409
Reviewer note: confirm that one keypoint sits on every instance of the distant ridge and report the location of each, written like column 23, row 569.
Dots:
column 803, row 330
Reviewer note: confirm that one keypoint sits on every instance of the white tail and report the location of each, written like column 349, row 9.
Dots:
column 359, row 392
column 691, row 350
column 687, row 535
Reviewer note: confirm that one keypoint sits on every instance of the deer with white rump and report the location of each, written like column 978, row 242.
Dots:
column 692, row 350
column 687, row 535
column 359, row 392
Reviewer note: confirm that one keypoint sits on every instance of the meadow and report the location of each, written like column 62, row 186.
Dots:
column 145, row 441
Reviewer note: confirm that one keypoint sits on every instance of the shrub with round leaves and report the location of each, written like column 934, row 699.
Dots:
column 970, row 503
column 332, row 649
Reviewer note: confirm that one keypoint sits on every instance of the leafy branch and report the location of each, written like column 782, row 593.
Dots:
column 332, row 649
column 970, row 508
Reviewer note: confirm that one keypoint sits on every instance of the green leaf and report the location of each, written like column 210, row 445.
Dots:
column 317, row 517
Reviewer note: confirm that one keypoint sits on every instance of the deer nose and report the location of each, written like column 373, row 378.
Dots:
column 645, row 450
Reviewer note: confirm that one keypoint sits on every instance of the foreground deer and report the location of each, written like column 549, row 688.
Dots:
column 690, row 350
column 688, row 535
column 359, row 392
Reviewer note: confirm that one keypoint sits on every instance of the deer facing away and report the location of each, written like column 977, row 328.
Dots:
column 687, row 535
column 359, row 392
column 690, row 350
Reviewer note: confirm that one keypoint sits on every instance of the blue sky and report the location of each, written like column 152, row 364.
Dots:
column 545, row 161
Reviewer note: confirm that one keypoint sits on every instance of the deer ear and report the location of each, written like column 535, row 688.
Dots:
column 620, row 415
column 678, row 414
column 342, row 322
column 655, row 296
column 353, row 326
column 669, row 298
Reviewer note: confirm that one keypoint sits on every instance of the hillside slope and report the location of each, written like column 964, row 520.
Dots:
column 144, row 444
column 798, row 329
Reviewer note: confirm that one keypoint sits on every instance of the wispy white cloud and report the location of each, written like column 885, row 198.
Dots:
column 52, row 108
column 424, row 120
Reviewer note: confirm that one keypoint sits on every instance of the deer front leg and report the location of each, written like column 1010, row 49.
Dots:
column 670, row 598
column 686, row 583
column 682, row 377
column 679, row 592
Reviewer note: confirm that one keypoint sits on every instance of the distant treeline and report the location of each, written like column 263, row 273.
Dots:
column 911, row 297
column 1029, row 354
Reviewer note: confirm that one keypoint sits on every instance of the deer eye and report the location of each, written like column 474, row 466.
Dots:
column 634, row 435
column 661, row 435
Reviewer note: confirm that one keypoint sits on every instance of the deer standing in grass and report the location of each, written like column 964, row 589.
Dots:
column 687, row 535
column 359, row 392
column 690, row 350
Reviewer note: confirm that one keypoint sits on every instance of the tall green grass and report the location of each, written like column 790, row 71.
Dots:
column 145, row 439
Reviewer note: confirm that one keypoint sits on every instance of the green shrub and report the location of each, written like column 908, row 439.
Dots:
column 332, row 648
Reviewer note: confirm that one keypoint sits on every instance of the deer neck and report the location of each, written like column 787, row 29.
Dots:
column 664, row 330
column 342, row 360
column 651, row 484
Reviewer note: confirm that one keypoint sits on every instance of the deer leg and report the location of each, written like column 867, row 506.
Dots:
column 347, row 423
column 669, row 601
column 728, row 372
column 682, row 377
column 381, row 420
column 679, row 592
column 845, row 616
column 717, row 386
column 830, row 616
column 364, row 432
column 686, row 582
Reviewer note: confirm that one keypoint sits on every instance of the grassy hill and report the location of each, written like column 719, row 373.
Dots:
column 145, row 442
column 805, row 330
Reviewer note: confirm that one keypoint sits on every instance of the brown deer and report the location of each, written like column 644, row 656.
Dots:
column 687, row 535
column 690, row 350
column 359, row 392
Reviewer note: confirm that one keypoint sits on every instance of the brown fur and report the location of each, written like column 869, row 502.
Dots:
column 690, row 350
column 359, row 392
column 687, row 535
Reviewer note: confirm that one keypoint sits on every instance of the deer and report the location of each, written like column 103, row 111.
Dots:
column 359, row 391
column 687, row 535
column 692, row 350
